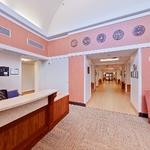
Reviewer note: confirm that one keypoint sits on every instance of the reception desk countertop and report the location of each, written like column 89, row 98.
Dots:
column 26, row 99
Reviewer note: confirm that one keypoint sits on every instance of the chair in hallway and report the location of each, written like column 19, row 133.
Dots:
column 13, row 93
column 3, row 94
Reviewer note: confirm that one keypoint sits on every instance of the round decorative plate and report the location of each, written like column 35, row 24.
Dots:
column 101, row 38
column 118, row 35
column 86, row 41
column 74, row 43
column 138, row 30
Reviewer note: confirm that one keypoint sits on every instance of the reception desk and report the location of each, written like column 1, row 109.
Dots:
column 24, row 120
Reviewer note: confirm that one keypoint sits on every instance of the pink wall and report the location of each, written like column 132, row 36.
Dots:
column 63, row 46
column 19, row 38
column 58, row 47
column 145, row 76
column 76, row 79
column 76, row 64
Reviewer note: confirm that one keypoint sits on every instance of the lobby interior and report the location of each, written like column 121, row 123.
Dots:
column 74, row 76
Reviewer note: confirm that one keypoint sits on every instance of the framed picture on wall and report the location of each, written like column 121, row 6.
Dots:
column 4, row 71
column 88, row 70
column 136, row 74
column 14, row 71
column 131, row 74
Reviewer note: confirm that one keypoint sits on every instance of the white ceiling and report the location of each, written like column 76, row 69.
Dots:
column 123, row 56
column 38, row 12
column 59, row 16
column 109, row 68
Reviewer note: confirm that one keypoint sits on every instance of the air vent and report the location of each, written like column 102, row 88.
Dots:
column 5, row 31
column 35, row 44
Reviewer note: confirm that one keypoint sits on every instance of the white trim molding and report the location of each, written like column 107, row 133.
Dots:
column 22, row 52
column 140, row 81
column 121, row 48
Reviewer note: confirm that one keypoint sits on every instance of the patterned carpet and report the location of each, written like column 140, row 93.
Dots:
column 94, row 129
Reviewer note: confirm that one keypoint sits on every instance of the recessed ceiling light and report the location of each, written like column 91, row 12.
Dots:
column 109, row 59
column 25, row 59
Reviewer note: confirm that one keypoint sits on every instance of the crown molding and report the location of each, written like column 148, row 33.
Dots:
column 21, row 21
column 22, row 52
column 105, row 50
column 46, row 58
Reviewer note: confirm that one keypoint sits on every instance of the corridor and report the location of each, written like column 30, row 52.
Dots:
column 109, row 96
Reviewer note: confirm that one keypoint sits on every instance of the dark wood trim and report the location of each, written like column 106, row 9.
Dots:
column 128, row 88
column 143, row 115
column 50, row 110
column 57, row 121
column 9, row 125
column 30, row 142
column 26, row 131
column 77, row 103
column 60, row 110
column 14, row 132
column 123, row 85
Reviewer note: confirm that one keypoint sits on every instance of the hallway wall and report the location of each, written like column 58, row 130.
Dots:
column 136, row 82
column 12, row 61
column 28, row 77
column 54, row 74
column 128, row 75
column 87, row 79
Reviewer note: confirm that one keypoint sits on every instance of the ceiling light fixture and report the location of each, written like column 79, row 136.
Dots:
column 109, row 59
column 25, row 59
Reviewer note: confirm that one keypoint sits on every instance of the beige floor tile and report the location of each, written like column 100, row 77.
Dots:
column 109, row 96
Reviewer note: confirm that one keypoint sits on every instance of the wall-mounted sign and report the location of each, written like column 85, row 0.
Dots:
column 4, row 71
column 138, row 30
column 88, row 70
column 86, row 41
column 101, row 38
column 134, row 73
column 118, row 35
column 74, row 43
column 14, row 71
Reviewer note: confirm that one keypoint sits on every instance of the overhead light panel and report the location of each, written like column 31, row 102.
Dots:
column 109, row 59
column 25, row 59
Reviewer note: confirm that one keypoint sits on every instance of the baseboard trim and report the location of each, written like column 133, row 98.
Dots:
column 143, row 115
column 77, row 103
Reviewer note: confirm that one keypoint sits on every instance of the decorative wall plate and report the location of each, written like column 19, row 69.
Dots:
column 86, row 41
column 74, row 43
column 138, row 30
column 118, row 35
column 101, row 38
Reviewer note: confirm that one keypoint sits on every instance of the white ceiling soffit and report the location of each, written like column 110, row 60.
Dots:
column 57, row 16
column 122, row 55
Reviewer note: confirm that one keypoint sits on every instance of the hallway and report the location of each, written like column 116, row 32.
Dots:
column 109, row 96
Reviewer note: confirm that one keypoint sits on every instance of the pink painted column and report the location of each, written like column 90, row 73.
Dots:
column 147, row 100
column 146, row 80
column 76, row 79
